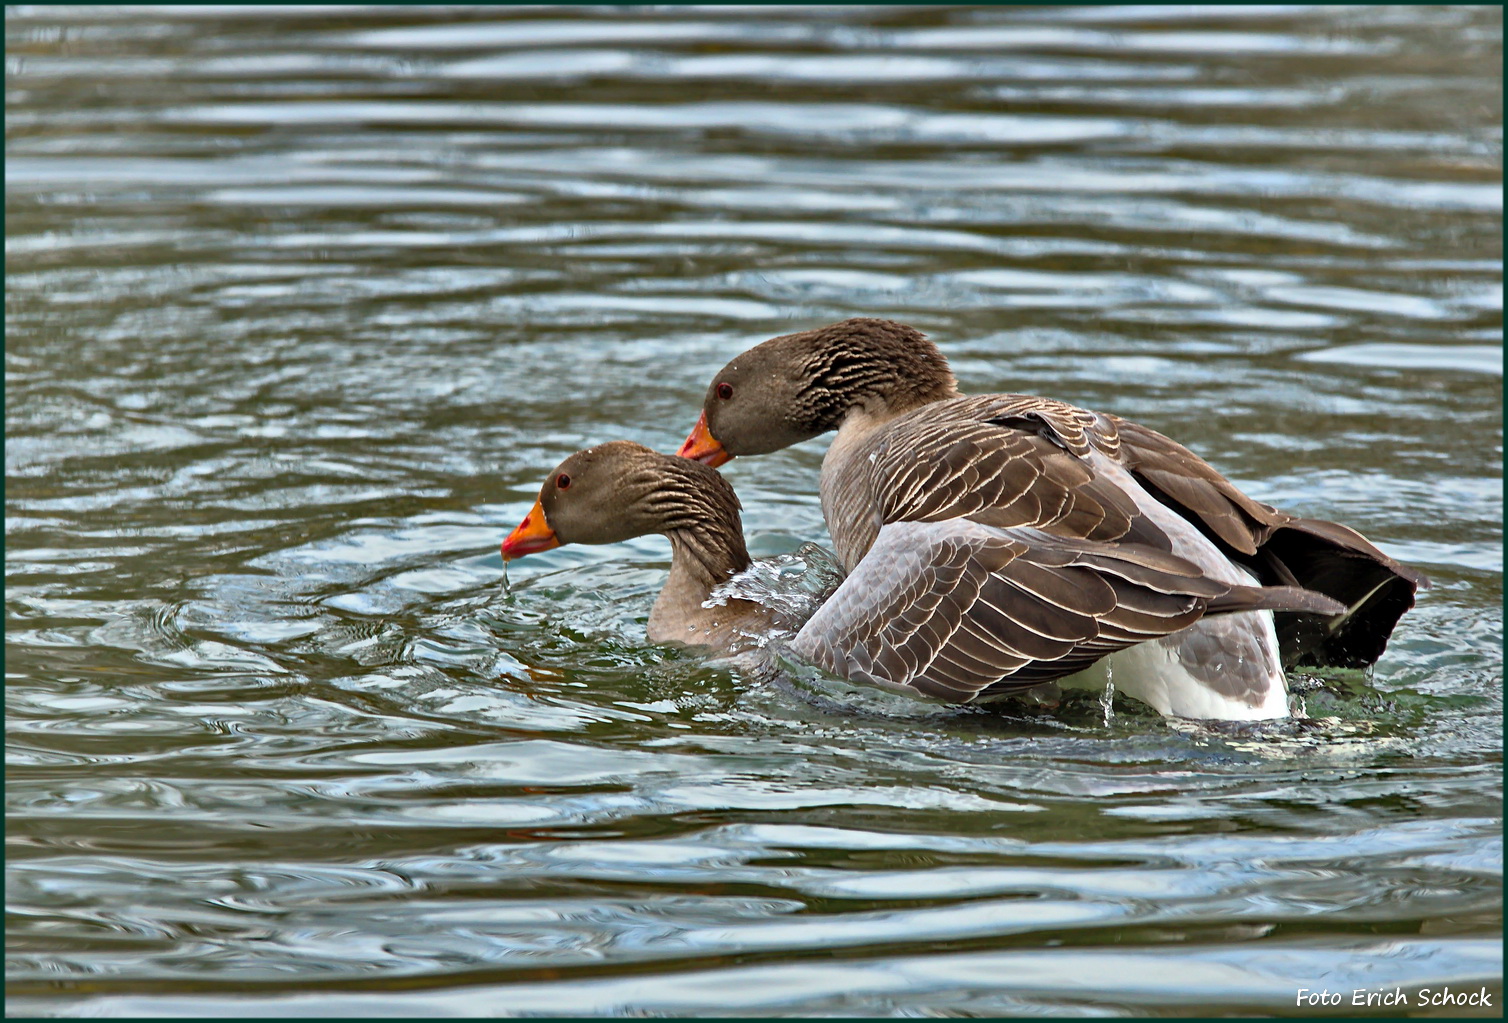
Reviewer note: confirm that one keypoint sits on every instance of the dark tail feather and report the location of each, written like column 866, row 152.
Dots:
column 1275, row 598
column 1341, row 563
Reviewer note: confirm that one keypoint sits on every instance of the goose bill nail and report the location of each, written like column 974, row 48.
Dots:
column 532, row 536
column 702, row 447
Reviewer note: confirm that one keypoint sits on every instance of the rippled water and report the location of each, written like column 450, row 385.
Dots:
column 302, row 304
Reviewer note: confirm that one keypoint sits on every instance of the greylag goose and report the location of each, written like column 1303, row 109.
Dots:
column 924, row 490
column 1124, row 593
column 620, row 490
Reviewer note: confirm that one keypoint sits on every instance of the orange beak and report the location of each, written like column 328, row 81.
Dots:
column 532, row 535
column 702, row 447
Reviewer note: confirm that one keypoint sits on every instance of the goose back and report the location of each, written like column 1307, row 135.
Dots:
column 1025, row 461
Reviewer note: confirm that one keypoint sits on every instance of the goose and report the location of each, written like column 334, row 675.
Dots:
column 619, row 490
column 1124, row 592
column 923, row 489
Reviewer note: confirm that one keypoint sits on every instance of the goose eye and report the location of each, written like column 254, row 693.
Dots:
column 562, row 482
column 725, row 391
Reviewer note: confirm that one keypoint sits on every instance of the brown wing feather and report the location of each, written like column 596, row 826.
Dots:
column 1193, row 487
column 951, row 609
column 1012, row 461
column 1005, row 461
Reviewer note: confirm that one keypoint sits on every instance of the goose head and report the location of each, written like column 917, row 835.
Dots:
column 620, row 490
column 798, row 386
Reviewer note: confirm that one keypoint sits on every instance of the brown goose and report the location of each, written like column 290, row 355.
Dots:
column 916, row 467
column 620, row 490
column 1123, row 593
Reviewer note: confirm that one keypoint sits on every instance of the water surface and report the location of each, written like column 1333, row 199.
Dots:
column 303, row 303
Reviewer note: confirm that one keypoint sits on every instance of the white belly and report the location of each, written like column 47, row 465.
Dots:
column 1155, row 673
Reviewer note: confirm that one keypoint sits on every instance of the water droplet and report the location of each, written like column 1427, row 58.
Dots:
column 1107, row 698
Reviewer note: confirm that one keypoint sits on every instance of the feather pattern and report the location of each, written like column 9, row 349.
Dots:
column 954, row 516
column 1014, row 470
column 962, row 610
column 1003, row 460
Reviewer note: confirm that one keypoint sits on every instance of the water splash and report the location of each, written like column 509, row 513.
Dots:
column 1107, row 698
column 793, row 585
